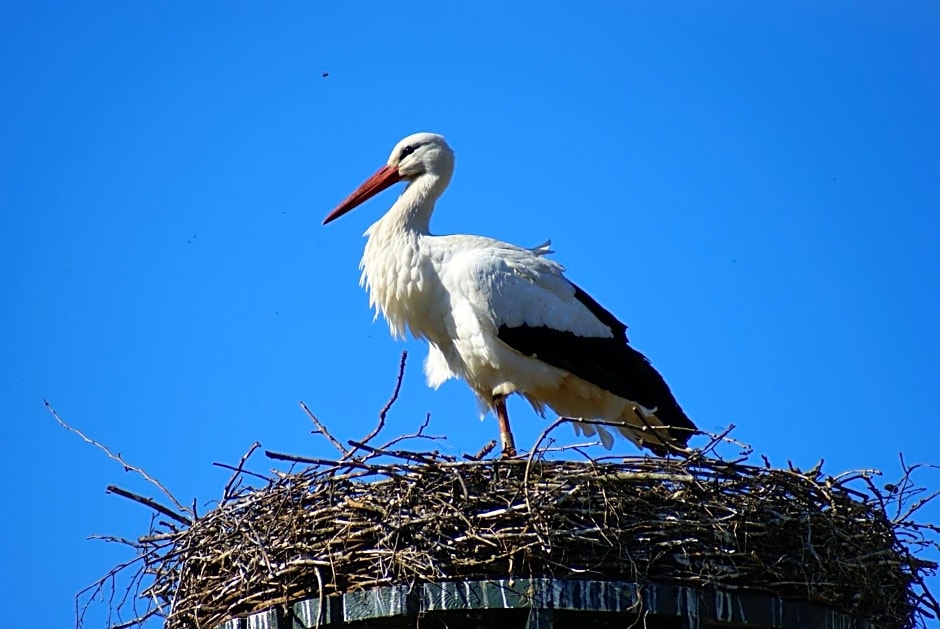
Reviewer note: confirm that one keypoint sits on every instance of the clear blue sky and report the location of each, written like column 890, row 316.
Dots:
column 753, row 187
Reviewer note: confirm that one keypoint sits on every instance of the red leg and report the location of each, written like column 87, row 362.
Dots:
column 505, row 434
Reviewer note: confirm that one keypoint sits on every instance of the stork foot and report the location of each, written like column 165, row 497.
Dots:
column 509, row 449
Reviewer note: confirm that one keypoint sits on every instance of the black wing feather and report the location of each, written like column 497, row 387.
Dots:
column 618, row 328
column 609, row 363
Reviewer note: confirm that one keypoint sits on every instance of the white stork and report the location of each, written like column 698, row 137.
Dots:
column 504, row 318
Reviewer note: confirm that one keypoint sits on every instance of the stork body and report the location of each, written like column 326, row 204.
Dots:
column 504, row 318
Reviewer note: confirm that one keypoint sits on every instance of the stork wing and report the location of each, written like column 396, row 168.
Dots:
column 540, row 313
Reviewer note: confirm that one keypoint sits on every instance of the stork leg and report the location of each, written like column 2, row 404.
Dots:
column 505, row 434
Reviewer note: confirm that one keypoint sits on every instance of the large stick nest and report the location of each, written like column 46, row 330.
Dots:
column 340, row 527
column 382, row 516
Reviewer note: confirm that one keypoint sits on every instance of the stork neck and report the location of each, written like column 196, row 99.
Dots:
column 412, row 211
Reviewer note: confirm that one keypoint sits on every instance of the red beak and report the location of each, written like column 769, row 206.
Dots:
column 383, row 178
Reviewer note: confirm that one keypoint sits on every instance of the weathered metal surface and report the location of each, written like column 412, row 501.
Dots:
column 315, row 612
column 545, row 599
column 605, row 596
column 268, row 619
column 377, row 603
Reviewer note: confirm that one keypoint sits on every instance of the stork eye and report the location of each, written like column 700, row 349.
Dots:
column 408, row 150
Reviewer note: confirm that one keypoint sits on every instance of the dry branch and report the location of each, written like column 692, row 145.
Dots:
column 116, row 457
column 148, row 502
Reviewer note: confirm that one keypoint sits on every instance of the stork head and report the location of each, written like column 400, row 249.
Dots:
column 422, row 153
column 417, row 155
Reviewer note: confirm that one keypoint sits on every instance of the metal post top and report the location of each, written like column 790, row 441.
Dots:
column 544, row 603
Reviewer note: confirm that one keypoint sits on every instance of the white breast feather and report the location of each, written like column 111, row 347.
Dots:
column 396, row 275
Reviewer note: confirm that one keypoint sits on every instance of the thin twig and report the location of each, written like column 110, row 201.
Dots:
column 321, row 429
column 244, row 472
column 391, row 400
column 139, row 621
column 485, row 450
column 418, row 457
column 532, row 452
column 415, row 435
column 296, row 458
column 716, row 439
column 388, row 405
column 227, row 492
column 149, row 502
column 118, row 458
